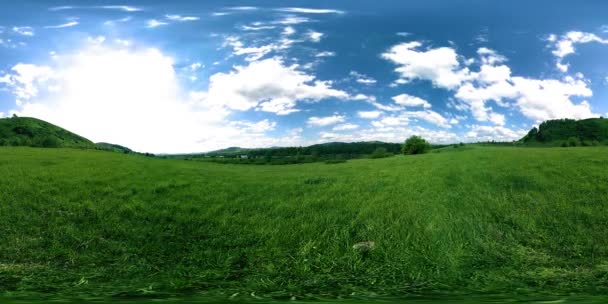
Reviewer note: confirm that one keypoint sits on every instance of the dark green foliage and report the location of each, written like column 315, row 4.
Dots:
column 113, row 148
column 416, row 145
column 380, row 152
column 26, row 131
column 555, row 131
column 573, row 141
column 335, row 161
column 50, row 142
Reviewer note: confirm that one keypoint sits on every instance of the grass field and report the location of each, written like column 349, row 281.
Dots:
column 466, row 220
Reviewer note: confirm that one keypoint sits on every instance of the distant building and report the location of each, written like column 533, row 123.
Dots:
column 244, row 156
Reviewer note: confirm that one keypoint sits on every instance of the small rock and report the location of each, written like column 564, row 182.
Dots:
column 366, row 246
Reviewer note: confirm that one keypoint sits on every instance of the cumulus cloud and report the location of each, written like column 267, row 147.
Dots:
column 325, row 121
column 565, row 45
column 496, row 133
column 268, row 85
column 394, row 133
column 314, row 36
column 254, row 53
column 537, row 99
column 438, row 65
column 345, row 127
column 411, row 101
column 132, row 97
column 362, row 78
column 369, row 114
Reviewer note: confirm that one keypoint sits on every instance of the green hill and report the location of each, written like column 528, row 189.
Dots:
column 569, row 131
column 113, row 147
column 27, row 131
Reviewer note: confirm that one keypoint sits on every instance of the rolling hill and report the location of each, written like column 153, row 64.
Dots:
column 560, row 131
column 27, row 131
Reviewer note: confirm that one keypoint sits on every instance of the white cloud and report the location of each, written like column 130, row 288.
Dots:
column 309, row 10
column 289, row 20
column 24, row 30
column 256, row 127
column 132, row 96
column 496, row 133
column 395, row 133
column 257, row 27
column 64, row 25
column 369, row 114
column 25, row 79
column 345, row 127
column 287, row 31
column 314, row 36
column 439, row 65
column 411, row 101
column 490, row 57
column 124, row 8
column 428, row 116
column 242, row 8
column 565, row 45
column 537, row 99
column 153, row 23
column 267, row 85
column 256, row 53
column 325, row 121
column 180, row 18
column 325, row 54
column 362, row 78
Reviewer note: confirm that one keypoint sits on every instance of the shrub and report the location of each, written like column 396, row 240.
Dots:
column 573, row 142
column 50, row 142
column 380, row 152
column 335, row 161
column 564, row 144
column 416, row 145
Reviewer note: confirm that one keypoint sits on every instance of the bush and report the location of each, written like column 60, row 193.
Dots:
column 416, row 145
column 50, row 142
column 573, row 142
column 380, row 152
column 564, row 144
column 335, row 161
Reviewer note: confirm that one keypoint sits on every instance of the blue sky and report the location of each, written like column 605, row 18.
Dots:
column 192, row 76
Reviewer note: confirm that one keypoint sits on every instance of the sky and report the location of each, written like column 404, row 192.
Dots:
column 195, row 76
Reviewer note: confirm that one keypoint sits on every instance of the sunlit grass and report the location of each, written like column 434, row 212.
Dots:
column 468, row 220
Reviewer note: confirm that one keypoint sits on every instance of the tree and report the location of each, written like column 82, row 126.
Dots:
column 50, row 142
column 380, row 152
column 416, row 145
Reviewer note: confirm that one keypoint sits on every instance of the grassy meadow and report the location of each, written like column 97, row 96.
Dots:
column 472, row 219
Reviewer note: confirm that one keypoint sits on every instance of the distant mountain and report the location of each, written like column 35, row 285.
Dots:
column 26, row 131
column 564, row 130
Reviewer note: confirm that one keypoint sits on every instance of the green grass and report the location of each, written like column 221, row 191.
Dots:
column 468, row 220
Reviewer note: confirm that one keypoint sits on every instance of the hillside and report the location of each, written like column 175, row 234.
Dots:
column 490, row 220
column 113, row 147
column 567, row 131
column 26, row 131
